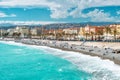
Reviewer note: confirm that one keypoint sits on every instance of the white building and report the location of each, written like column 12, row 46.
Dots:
column 36, row 31
column 71, row 31
column 24, row 31
column 2, row 31
column 10, row 32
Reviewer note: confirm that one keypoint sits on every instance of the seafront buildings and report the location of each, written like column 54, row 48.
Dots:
column 22, row 31
column 108, row 32
column 35, row 32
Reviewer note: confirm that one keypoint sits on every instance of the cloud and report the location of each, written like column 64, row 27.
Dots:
column 27, row 3
column 29, row 22
column 5, row 15
column 96, row 16
column 99, row 15
column 60, row 8
column 79, row 5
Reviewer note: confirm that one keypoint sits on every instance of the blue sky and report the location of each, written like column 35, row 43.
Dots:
column 48, row 11
column 34, row 14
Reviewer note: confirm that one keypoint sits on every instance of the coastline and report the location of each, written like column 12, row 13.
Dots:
column 88, row 53
column 54, row 44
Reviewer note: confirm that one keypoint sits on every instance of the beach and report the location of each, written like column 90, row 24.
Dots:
column 104, row 50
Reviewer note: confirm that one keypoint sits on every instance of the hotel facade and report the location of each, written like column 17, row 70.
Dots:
column 110, row 32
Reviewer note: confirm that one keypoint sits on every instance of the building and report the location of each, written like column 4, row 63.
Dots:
column 23, row 31
column 59, row 34
column 115, row 30
column 36, row 31
column 96, row 32
column 51, row 32
column 87, row 29
column 3, row 32
column 87, row 32
column 10, row 32
column 71, row 31
column 59, row 31
column 118, row 28
column 93, row 32
column 81, row 33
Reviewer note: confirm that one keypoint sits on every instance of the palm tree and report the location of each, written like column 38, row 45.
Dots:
column 86, row 34
column 115, row 33
column 92, row 33
column 107, row 30
column 99, row 33
column 58, row 36
column 63, row 35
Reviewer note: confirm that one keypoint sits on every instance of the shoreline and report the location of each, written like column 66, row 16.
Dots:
column 91, row 54
column 69, row 48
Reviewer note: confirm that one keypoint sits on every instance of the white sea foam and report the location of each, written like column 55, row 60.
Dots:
column 12, row 43
column 101, row 69
column 19, row 44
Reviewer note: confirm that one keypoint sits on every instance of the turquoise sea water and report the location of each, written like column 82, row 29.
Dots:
column 28, row 63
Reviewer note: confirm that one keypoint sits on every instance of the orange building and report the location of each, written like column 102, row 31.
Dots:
column 59, row 31
column 96, row 29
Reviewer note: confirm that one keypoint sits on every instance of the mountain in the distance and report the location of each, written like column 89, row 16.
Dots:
column 101, row 23
column 58, row 25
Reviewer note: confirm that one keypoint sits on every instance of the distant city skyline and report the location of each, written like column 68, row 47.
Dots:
column 55, row 11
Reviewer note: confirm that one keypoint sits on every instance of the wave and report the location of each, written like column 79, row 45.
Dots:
column 99, row 68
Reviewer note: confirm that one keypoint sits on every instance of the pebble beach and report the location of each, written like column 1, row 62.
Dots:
column 104, row 50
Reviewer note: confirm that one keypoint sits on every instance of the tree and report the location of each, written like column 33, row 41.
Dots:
column 5, row 34
column 86, row 35
column 99, row 33
column 64, row 35
column 58, row 36
column 115, row 33
column 92, row 33
column 16, row 35
column 107, row 30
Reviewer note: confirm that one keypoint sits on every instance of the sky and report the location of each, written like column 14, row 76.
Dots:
column 59, row 11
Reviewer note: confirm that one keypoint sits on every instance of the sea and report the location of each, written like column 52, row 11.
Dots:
column 29, row 62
